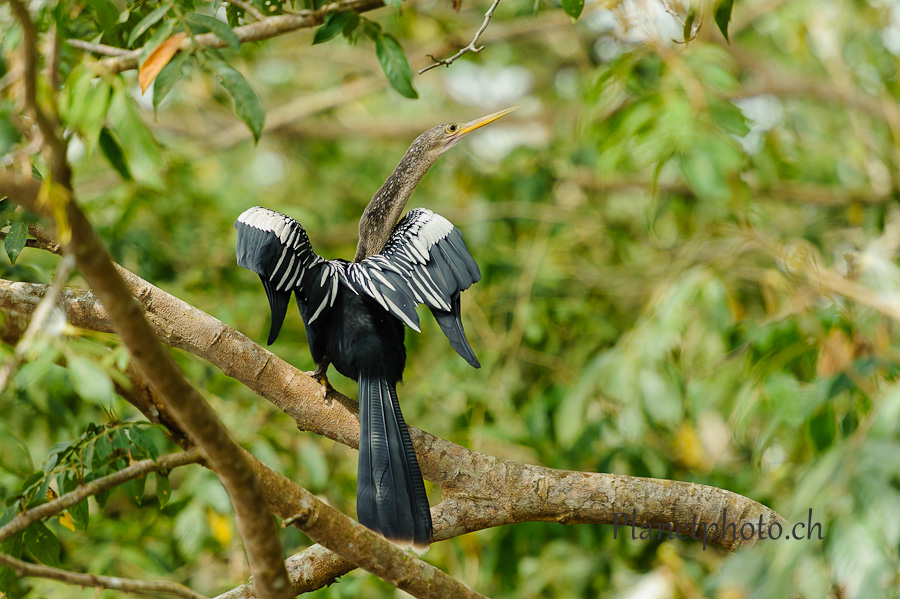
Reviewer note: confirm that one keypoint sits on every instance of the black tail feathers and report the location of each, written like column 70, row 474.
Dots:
column 390, row 492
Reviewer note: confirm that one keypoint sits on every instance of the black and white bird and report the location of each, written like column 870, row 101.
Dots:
column 355, row 315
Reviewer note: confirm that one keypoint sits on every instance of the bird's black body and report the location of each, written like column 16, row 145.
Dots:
column 365, row 343
column 354, row 315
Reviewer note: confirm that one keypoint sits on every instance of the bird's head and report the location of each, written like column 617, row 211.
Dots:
column 437, row 140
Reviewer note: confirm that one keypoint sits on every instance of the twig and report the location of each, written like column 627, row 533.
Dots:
column 128, row 585
column 38, row 320
column 267, row 28
column 470, row 48
column 64, row 502
column 98, row 48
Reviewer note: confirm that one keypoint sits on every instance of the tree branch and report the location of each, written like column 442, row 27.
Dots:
column 321, row 522
column 128, row 585
column 98, row 48
column 85, row 490
column 266, row 28
column 472, row 47
column 189, row 408
column 479, row 491
column 329, row 527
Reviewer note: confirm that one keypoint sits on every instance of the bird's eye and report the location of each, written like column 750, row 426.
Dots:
column 450, row 128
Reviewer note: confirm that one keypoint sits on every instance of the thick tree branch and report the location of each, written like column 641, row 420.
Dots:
column 479, row 491
column 505, row 490
column 85, row 490
column 127, row 585
column 266, row 28
column 472, row 47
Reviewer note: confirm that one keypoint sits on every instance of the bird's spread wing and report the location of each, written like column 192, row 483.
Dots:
column 425, row 261
column 276, row 247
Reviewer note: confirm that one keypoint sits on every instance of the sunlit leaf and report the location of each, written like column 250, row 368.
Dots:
column 394, row 65
column 158, row 59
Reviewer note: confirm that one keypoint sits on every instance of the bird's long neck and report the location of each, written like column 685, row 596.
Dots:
column 381, row 215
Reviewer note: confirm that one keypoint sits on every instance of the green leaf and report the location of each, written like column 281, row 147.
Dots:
column 142, row 154
column 42, row 544
column 81, row 514
column 334, row 24
column 246, row 103
column 106, row 13
column 823, row 427
column 167, row 78
column 372, row 30
column 15, row 239
column 7, row 211
column 163, row 489
column 10, row 583
column 723, row 16
column 573, row 8
column 103, row 449
column 147, row 22
column 85, row 105
column 221, row 30
column 144, row 442
column 395, row 66
column 113, row 153
column 14, row 455
column 90, row 381
column 351, row 29
column 136, row 489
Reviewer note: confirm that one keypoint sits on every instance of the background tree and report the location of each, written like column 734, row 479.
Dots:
column 688, row 250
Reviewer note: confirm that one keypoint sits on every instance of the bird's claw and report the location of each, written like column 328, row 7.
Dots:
column 322, row 379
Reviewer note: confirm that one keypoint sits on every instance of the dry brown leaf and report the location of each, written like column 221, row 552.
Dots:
column 158, row 59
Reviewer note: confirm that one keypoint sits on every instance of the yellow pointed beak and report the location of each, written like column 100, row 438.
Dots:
column 465, row 128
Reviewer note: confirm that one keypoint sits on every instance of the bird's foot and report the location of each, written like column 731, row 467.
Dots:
column 321, row 378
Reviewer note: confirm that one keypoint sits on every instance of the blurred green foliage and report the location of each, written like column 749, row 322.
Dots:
column 649, row 224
